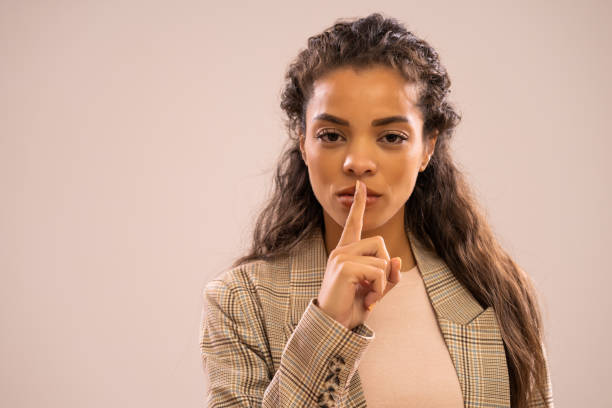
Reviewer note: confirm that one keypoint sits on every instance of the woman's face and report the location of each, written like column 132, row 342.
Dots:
column 364, row 126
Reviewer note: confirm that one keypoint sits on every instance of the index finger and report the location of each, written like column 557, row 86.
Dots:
column 354, row 222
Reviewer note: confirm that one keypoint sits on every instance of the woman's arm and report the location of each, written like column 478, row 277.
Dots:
column 316, row 365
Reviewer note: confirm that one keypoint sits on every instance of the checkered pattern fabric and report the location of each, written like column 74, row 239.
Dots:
column 266, row 343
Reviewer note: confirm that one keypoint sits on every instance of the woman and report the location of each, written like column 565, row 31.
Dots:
column 369, row 209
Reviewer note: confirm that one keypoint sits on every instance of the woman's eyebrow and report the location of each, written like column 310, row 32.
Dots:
column 375, row 122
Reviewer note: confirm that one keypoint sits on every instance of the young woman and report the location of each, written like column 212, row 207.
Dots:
column 369, row 209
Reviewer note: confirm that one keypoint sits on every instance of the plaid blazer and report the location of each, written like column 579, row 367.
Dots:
column 266, row 343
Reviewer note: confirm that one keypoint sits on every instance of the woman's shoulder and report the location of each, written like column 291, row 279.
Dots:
column 275, row 271
column 254, row 276
column 268, row 280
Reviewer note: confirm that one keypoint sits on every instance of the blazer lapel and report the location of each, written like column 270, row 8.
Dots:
column 471, row 333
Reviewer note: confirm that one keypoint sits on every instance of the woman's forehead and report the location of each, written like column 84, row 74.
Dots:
column 379, row 91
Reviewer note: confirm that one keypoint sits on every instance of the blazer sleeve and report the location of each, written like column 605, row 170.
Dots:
column 316, row 366
column 536, row 399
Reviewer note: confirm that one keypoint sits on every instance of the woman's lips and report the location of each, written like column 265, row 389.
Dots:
column 347, row 200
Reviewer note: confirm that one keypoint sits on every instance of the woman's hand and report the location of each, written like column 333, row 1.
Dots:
column 359, row 271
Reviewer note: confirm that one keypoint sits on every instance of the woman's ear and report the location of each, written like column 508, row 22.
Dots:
column 303, row 148
column 428, row 151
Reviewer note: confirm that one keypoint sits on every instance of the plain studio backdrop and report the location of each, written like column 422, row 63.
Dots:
column 137, row 144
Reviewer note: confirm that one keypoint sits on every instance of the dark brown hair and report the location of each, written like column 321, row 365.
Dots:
column 441, row 193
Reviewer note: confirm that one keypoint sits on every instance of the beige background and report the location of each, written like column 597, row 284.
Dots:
column 138, row 139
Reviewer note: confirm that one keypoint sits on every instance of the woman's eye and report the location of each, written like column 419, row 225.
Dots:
column 331, row 136
column 395, row 138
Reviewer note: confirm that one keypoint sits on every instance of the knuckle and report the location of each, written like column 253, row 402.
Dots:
column 380, row 242
column 383, row 280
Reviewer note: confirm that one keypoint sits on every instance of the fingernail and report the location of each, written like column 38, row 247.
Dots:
column 400, row 263
column 356, row 188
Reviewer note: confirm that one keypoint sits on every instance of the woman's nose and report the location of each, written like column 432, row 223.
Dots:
column 359, row 160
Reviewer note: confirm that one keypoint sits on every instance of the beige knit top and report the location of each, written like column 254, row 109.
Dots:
column 408, row 363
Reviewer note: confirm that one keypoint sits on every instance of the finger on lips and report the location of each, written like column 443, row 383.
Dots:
column 354, row 221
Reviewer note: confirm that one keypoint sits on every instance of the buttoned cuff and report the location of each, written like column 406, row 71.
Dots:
column 343, row 349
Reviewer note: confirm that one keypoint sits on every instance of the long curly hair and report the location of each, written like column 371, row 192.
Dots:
column 441, row 193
